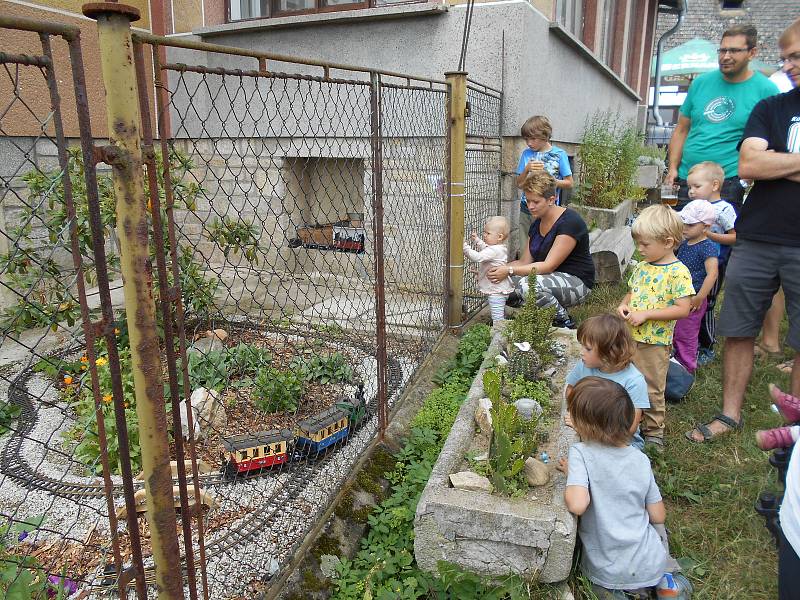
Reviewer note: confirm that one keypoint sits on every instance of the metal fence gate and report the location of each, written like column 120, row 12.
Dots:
column 280, row 227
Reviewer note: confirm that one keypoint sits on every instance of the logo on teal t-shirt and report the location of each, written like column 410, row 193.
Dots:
column 719, row 109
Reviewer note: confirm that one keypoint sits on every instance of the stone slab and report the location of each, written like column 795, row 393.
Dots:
column 488, row 534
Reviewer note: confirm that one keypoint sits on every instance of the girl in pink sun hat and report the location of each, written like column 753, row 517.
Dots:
column 699, row 254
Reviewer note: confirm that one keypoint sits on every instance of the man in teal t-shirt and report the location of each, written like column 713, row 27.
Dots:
column 714, row 114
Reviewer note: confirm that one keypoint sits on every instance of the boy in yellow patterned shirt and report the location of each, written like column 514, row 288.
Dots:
column 660, row 289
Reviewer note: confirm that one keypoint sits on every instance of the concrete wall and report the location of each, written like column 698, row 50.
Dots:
column 543, row 73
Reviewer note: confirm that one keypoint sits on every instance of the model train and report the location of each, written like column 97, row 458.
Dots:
column 252, row 452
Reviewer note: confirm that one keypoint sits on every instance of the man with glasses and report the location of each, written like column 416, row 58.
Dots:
column 714, row 113
column 766, row 255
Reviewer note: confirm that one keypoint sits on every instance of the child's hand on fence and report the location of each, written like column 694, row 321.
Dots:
column 563, row 465
column 473, row 236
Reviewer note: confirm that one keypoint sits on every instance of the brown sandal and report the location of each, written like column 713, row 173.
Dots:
column 764, row 352
column 708, row 435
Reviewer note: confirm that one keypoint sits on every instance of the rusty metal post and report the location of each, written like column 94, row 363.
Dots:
column 377, row 228
column 125, row 157
column 457, row 112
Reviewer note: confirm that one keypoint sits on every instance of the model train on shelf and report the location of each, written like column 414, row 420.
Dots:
column 250, row 452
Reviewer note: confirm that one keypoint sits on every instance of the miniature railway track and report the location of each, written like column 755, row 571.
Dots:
column 301, row 469
column 14, row 465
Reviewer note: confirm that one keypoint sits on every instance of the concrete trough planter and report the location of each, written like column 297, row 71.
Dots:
column 533, row 536
column 605, row 218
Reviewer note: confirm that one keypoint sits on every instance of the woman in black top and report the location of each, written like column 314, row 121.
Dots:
column 558, row 250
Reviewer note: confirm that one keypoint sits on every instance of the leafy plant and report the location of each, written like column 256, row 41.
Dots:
column 197, row 290
column 384, row 568
column 86, row 432
column 533, row 324
column 234, row 235
column 45, row 298
column 8, row 413
column 512, row 441
column 22, row 577
column 208, row 370
column 469, row 357
column 248, row 359
column 325, row 369
column 536, row 390
column 608, row 158
column 275, row 391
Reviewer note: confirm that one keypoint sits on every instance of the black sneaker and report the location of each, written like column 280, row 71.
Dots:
column 515, row 300
column 567, row 323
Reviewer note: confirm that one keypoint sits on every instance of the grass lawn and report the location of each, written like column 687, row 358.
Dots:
column 710, row 489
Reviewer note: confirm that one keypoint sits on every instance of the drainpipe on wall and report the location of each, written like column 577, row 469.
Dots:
column 659, row 48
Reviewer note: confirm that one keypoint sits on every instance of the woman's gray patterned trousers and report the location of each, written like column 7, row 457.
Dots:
column 560, row 290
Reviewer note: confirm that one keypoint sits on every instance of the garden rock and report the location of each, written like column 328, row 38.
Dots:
column 328, row 564
column 483, row 416
column 209, row 411
column 185, row 421
column 536, row 472
column 528, row 408
column 467, row 480
column 206, row 345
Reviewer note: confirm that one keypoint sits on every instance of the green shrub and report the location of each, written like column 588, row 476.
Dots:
column 469, row 356
column 384, row 568
column 608, row 159
column 534, row 325
column 276, row 391
column 325, row 369
column 513, row 440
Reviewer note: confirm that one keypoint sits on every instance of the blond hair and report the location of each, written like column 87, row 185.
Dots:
column 537, row 126
column 539, row 183
column 601, row 411
column 498, row 224
column 714, row 171
column 611, row 336
column 790, row 34
column 658, row 223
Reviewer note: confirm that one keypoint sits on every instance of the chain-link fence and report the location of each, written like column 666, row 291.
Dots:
column 293, row 235
column 66, row 432
column 482, row 164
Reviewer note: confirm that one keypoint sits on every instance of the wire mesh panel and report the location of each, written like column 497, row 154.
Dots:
column 307, row 216
column 482, row 170
column 64, row 423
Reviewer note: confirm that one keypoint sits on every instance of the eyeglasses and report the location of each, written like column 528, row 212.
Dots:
column 731, row 51
column 793, row 58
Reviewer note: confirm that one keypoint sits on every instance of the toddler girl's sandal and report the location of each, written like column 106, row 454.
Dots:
column 708, row 435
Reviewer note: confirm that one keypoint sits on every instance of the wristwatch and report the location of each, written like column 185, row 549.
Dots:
column 510, row 271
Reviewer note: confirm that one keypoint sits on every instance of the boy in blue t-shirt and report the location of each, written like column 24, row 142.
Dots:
column 540, row 155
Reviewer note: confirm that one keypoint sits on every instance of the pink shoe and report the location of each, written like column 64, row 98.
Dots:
column 788, row 405
column 780, row 437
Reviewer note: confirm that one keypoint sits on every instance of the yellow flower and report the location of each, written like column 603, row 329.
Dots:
column 101, row 361
column 67, row 379
column 116, row 331
column 126, row 405
column 84, row 359
column 108, row 398
column 83, row 367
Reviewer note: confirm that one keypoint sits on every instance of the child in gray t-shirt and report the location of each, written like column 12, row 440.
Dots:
column 610, row 485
